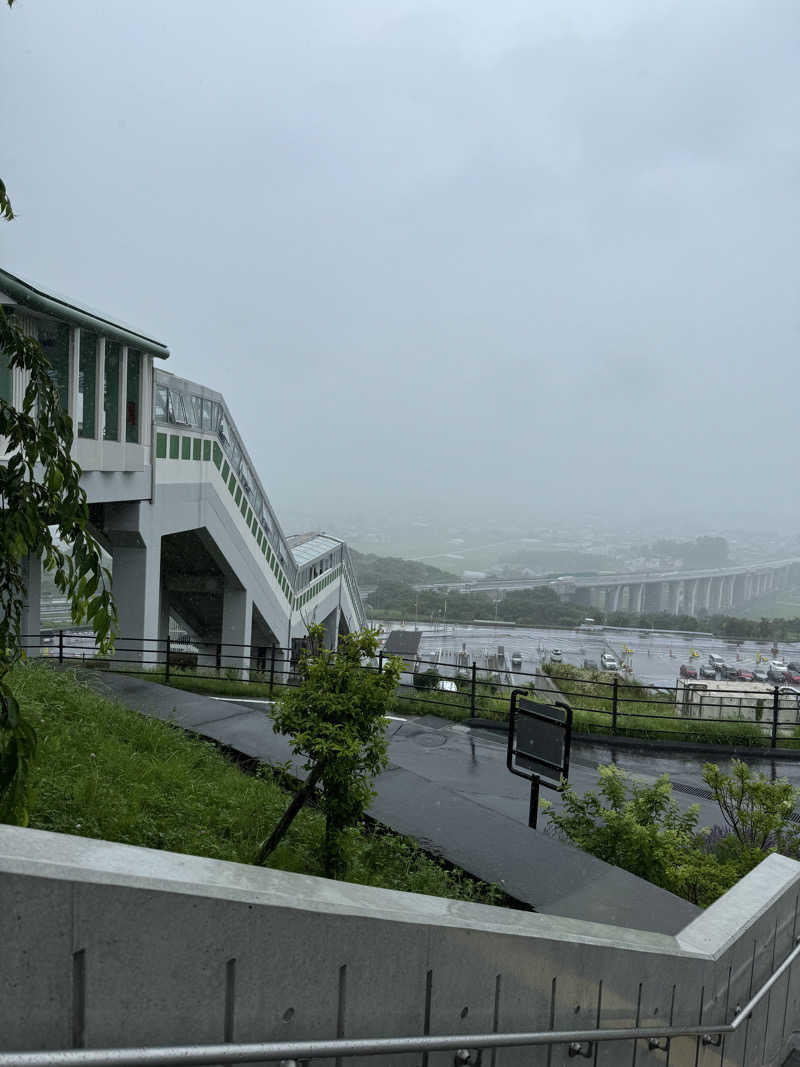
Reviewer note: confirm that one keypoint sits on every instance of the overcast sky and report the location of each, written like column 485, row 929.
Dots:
column 518, row 255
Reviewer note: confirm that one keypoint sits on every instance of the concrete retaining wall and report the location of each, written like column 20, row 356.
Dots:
column 110, row 945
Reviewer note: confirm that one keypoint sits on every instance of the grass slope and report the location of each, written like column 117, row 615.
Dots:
column 106, row 772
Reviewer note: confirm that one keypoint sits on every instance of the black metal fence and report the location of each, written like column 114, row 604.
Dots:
column 726, row 713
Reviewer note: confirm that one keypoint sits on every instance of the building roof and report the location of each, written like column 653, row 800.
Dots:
column 14, row 290
column 402, row 643
column 308, row 546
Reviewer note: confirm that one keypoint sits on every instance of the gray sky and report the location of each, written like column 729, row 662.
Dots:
column 522, row 255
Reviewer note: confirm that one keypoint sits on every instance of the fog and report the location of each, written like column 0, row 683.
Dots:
column 445, row 256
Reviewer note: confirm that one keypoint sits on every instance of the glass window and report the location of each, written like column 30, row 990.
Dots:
column 197, row 411
column 87, row 384
column 208, row 415
column 54, row 339
column 111, row 391
column 162, row 403
column 223, row 430
column 132, row 396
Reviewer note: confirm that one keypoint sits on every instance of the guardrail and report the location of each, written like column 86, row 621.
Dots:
column 761, row 716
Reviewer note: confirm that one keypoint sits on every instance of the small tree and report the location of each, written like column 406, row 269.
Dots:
column 644, row 832
column 756, row 810
column 336, row 720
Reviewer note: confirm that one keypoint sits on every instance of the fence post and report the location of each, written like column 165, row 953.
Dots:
column 60, row 646
column 614, row 706
column 169, row 650
column 219, row 658
column 473, row 687
column 775, row 710
column 272, row 672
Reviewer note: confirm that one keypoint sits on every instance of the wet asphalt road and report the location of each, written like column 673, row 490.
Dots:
column 448, row 787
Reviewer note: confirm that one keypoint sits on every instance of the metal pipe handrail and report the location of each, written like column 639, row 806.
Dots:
column 306, row 1050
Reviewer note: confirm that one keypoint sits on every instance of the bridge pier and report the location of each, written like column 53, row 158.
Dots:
column 237, row 628
column 636, row 597
column 136, row 580
column 331, row 626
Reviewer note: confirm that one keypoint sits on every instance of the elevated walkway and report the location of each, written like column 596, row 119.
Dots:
column 174, row 495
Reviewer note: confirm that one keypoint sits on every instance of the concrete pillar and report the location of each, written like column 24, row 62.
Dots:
column 331, row 626
column 237, row 628
column 716, row 594
column 675, row 596
column 137, row 592
column 691, row 595
column 636, row 597
column 31, row 618
column 136, row 580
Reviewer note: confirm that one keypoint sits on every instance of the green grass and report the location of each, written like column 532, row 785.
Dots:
column 105, row 772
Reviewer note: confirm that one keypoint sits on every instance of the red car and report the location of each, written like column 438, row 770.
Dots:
column 792, row 677
column 744, row 675
column 687, row 671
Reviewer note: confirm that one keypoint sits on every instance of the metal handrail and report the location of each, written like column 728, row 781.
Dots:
column 292, row 1051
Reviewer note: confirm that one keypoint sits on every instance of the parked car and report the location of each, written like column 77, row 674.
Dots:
column 715, row 661
column 744, row 674
column 729, row 674
column 556, row 655
column 688, row 671
column 760, row 675
column 707, row 671
column 791, row 676
column 793, row 665
column 608, row 662
column 516, row 661
column 776, row 673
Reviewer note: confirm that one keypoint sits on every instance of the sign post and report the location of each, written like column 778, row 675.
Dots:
column 538, row 745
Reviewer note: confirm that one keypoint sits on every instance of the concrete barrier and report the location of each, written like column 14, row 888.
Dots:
column 108, row 945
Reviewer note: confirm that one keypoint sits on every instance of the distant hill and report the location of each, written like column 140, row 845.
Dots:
column 373, row 570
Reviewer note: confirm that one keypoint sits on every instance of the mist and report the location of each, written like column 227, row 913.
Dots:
column 442, row 258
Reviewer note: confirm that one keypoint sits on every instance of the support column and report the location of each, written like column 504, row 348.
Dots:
column 716, row 593
column 675, row 591
column 636, row 597
column 237, row 628
column 137, row 592
column 136, row 580
column 691, row 606
column 331, row 626
column 31, row 619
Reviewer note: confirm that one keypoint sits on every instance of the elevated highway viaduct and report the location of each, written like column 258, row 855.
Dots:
column 708, row 591
column 175, row 497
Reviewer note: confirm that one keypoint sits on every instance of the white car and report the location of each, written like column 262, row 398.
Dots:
column 556, row 655
column 608, row 663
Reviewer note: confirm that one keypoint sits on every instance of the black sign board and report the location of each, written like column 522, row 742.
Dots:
column 538, row 744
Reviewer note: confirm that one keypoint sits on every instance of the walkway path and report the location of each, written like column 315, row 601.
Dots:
column 446, row 786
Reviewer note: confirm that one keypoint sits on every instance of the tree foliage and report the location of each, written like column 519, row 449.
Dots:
column 639, row 826
column 336, row 720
